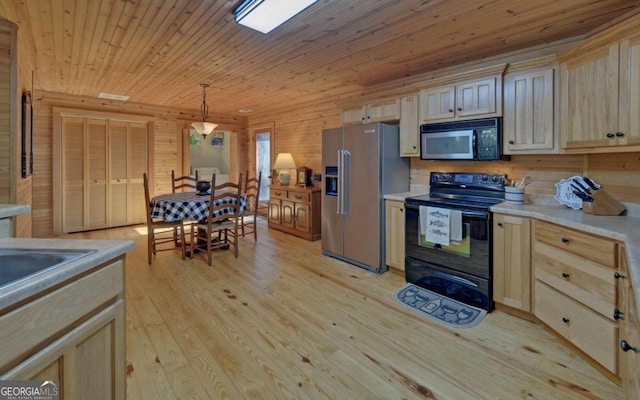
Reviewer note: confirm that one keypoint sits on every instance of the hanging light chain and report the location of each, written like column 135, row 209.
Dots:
column 204, row 108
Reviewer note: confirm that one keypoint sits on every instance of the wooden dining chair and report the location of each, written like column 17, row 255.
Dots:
column 159, row 231
column 220, row 230
column 181, row 183
column 249, row 217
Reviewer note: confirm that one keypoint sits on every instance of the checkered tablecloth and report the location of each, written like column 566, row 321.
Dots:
column 189, row 206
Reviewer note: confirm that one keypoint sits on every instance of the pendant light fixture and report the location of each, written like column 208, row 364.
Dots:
column 204, row 128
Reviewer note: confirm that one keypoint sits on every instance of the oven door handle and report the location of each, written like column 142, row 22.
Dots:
column 465, row 213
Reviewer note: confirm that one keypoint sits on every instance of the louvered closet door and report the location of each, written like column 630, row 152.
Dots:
column 73, row 174
column 119, row 176
column 96, row 177
column 102, row 166
column 138, row 163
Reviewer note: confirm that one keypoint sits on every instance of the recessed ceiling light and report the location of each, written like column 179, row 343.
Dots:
column 111, row 96
column 245, row 110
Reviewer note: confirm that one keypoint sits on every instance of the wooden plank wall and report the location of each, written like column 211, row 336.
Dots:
column 6, row 99
column 299, row 132
column 167, row 145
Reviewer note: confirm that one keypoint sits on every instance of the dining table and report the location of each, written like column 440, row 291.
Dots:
column 191, row 206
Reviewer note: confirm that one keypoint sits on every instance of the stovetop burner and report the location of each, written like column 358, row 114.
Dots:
column 461, row 190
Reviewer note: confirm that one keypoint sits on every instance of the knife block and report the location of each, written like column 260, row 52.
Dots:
column 603, row 204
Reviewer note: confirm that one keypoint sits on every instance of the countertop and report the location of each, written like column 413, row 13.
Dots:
column 625, row 228
column 414, row 190
column 105, row 250
column 10, row 210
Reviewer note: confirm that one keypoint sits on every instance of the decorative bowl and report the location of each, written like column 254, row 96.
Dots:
column 203, row 187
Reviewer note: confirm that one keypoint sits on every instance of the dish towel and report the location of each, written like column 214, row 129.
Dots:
column 455, row 225
column 438, row 223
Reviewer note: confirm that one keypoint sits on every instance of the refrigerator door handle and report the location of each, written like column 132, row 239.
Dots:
column 346, row 181
column 340, row 180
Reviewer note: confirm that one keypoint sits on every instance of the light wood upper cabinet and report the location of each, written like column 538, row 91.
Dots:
column 473, row 98
column 601, row 98
column 512, row 261
column 380, row 111
column 409, row 126
column 530, row 111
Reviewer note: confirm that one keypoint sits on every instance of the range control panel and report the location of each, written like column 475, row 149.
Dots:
column 462, row 179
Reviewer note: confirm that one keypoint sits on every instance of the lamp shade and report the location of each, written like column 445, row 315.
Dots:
column 204, row 128
column 284, row 161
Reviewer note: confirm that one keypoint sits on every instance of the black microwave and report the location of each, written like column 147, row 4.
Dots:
column 475, row 139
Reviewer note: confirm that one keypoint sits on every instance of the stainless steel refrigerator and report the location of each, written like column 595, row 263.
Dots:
column 361, row 163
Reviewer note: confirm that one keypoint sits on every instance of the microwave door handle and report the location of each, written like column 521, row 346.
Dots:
column 474, row 144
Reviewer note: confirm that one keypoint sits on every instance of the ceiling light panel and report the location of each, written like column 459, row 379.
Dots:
column 266, row 15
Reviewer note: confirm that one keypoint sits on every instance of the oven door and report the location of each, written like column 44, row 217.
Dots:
column 461, row 270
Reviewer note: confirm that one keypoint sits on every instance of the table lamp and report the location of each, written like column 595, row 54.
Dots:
column 284, row 163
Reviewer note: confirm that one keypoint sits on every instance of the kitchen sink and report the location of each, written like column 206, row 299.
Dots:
column 19, row 264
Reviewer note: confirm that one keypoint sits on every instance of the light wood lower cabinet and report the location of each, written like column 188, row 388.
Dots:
column 394, row 233
column 575, row 289
column 512, row 261
column 629, row 349
column 295, row 210
column 76, row 335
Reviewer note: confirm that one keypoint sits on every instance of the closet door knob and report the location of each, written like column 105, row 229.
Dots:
column 565, row 240
column 565, row 320
column 619, row 134
column 565, row 275
column 610, row 135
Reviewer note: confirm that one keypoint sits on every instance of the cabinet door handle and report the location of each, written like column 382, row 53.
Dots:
column 414, row 147
column 625, row 346
column 512, row 142
column 618, row 275
column 565, row 320
column 278, row 193
column 610, row 135
column 617, row 314
column 459, row 108
column 499, row 224
column 565, row 240
column 402, row 210
column 565, row 275
column 451, row 110
column 619, row 134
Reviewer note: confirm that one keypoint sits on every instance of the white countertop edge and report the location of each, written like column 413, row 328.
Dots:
column 105, row 250
column 11, row 210
column 622, row 228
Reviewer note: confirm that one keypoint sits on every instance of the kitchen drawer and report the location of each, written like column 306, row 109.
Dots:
column 278, row 194
column 590, row 283
column 300, row 197
column 592, row 333
column 595, row 248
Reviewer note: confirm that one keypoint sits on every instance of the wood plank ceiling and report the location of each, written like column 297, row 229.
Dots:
column 158, row 52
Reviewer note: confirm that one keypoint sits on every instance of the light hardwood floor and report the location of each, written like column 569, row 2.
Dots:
column 284, row 322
